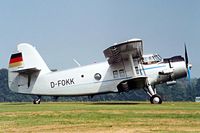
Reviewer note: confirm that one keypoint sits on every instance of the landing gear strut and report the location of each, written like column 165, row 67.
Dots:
column 154, row 98
column 37, row 100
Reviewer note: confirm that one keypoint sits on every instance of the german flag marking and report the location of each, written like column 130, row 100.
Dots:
column 15, row 60
column 18, row 59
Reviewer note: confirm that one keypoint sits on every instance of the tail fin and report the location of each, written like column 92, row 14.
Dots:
column 27, row 58
column 25, row 67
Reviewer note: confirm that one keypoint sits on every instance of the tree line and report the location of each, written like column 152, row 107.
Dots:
column 184, row 90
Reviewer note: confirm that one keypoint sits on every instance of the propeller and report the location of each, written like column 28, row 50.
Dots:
column 186, row 57
column 188, row 66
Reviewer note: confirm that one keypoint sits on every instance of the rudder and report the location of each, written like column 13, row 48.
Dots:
column 27, row 57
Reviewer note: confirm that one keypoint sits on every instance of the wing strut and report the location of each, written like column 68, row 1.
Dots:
column 132, row 65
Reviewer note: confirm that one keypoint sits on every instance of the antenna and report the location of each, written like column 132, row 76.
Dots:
column 77, row 62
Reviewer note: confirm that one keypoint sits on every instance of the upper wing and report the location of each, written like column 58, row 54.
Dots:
column 121, row 51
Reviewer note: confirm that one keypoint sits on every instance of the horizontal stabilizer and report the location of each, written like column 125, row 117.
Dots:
column 27, row 71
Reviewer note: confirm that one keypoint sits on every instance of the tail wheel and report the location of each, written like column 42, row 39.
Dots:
column 155, row 99
column 36, row 101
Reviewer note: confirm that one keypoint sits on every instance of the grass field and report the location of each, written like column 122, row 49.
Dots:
column 92, row 117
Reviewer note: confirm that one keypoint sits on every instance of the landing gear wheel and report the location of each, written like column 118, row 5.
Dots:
column 155, row 99
column 36, row 101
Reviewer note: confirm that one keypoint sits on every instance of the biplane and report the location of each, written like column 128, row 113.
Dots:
column 125, row 69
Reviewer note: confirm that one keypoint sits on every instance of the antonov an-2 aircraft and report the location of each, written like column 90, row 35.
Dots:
column 126, row 68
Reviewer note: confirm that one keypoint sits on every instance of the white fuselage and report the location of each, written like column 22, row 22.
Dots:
column 82, row 81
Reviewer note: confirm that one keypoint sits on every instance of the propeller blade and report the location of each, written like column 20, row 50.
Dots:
column 186, row 57
column 188, row 66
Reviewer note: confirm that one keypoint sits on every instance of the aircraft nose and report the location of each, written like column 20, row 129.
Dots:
column 180, row 70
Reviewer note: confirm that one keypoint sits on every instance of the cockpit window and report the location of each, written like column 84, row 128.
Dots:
column 151, row 59
column 157, row 58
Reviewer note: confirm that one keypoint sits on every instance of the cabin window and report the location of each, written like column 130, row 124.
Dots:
column 137, row 70
column 115, row 74
column 121, row 73
column 97, row 76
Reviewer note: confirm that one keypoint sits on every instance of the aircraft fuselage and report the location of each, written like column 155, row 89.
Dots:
column 83, row 80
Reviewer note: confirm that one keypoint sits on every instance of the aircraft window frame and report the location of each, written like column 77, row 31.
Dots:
column 115, row 74
column 157, row 58
column 137, row 70
column 160, row 58
column 122, row 73
column 152, row 59
column 145, row 60
column 97, row 76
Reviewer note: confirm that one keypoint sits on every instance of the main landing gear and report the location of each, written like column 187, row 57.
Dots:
column 37, row 100
column 154, row 98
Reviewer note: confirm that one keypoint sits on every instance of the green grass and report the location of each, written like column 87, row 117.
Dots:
column 100, row 117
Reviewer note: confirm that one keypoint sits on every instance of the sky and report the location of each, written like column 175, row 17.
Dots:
column 63, row 30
